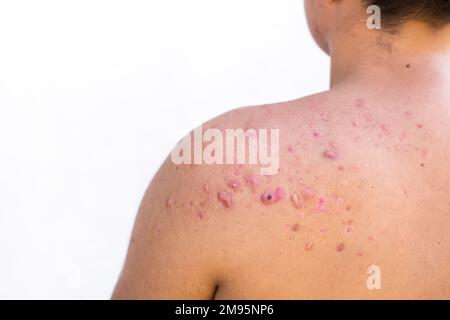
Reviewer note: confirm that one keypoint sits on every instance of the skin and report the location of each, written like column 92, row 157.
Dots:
column 364, row 180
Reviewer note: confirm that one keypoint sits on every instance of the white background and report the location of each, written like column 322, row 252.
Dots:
column 93, row 96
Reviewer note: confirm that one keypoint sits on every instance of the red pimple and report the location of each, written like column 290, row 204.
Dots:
column 340, row 247
column 321, row 204
column 325, row 117
column 234, row 184
column 359, row 253
column 280, row 193
column 330, row 154
column 226, row 198
column 290, row 148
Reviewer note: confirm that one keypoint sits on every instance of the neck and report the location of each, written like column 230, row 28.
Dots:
column 416, row 57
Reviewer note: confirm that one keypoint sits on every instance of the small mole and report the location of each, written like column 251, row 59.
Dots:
column 408, row 66
column 200, row 215
column 317, row 134
column 422, row 165
column 340, row 247
column 132, row 240
column 295, row 227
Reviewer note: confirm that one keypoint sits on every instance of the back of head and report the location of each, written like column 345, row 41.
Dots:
column 435, row 13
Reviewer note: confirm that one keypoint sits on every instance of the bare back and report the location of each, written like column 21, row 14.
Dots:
column 365, row 186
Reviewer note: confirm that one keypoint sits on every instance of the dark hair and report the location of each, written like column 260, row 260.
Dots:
column 395, row 12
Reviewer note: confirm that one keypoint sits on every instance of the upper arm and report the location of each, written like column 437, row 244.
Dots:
column 172, row 251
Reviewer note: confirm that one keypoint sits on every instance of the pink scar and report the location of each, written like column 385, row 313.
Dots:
column 308, row 193
column 295, row 199
column 330, row 154
column 170, row 203
column 226, row 198
column 270, row 197
column 309, row 246
column 360, row 103
column 253, row 181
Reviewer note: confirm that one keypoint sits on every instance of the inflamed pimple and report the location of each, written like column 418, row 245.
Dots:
column 226, row 198
column 270, row 196
column 321, row 204
column 330, row 154
column 290, row 148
